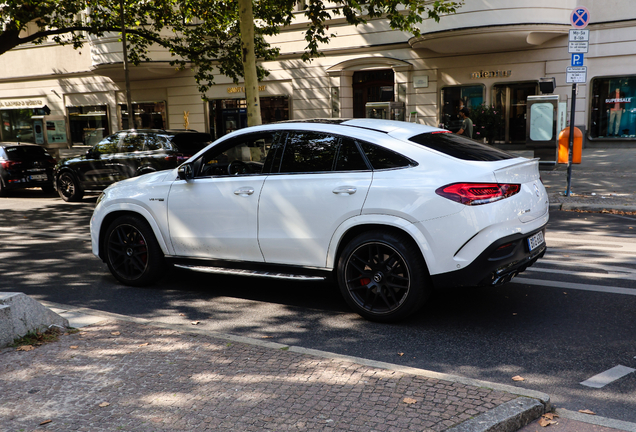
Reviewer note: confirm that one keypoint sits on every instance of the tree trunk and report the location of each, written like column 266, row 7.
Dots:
column 246, row 17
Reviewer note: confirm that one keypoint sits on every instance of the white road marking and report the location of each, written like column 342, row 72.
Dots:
column 615, row 275
column 610, row 375
column 575, row 286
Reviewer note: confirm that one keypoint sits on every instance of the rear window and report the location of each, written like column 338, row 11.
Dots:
column 24, row 153
column 460, row 147
column 191, row 143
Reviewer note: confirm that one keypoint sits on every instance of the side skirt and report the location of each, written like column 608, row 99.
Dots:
column 241, row 268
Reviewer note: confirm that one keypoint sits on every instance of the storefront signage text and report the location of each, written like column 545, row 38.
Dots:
column 242, row 89
column 618, row 100
column 491, row 74
column 21, row 103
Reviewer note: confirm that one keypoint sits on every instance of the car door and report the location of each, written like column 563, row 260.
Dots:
column 323, row 180
column 214, row 215
column 125, row 162
column 95, row 169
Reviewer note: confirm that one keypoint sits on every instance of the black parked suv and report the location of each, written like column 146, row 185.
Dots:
column 25, row 166
column 126, row 154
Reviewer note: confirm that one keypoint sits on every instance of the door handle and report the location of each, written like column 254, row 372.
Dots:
column 246, row 191
column 345, row 190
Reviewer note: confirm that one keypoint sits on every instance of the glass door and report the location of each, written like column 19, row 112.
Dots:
column 511, row 99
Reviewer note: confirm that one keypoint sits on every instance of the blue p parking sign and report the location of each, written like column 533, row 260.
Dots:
column 577, row 59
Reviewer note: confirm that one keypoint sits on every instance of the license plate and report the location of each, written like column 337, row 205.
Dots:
column 535, row 241
column 39, row 177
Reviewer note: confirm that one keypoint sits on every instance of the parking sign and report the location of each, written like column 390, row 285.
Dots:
column 577, row 59
column 580, row 17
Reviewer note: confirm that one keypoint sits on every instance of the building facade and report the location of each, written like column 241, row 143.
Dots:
column 492, row 51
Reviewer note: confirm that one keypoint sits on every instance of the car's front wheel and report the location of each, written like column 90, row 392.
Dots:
column 132, row 252
column 69, row 188
column 383, row 276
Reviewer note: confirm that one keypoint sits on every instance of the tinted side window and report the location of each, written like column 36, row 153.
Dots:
column 460, row 147
column 107, row 145
column 242, row 155
column 154, row 142
column 382, row 158
column 132, row 142
column 349, row 157
column 309, row 152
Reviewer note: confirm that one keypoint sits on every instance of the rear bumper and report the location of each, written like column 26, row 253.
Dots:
column 498, row 264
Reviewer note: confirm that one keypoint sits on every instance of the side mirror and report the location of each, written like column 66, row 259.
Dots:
column 185, row 172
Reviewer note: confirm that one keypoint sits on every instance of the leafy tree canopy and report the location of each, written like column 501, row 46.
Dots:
column 201, row 33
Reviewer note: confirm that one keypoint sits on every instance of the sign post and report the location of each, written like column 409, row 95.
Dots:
column 576, row 73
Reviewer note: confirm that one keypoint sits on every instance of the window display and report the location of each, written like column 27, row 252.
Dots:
column 613, row 113
column 456, row 98
column 148, row 115
column 89, row 124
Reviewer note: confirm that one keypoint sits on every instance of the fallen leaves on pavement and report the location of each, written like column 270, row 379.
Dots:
column 547, row 420
column 104, row 404
column 45, row 422
column 587, row 411
column 25, row 348
column 409, row 400
column 518, row 378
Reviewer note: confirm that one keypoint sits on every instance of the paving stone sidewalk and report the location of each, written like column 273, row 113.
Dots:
column 119, row 375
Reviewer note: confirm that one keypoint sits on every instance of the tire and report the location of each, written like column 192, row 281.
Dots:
column 132, row 252
column 382, row 276
column 69, row 187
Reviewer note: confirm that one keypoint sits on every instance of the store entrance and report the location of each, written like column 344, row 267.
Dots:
column 511, row 99
column 371, row 86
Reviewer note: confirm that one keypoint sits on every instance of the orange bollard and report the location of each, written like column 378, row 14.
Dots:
column 564, row 143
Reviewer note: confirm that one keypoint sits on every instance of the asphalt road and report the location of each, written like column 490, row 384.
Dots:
column 566, row 320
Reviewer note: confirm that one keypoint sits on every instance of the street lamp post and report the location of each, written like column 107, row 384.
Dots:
column 131, row 111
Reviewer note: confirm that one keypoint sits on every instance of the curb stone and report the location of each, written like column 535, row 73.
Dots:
column 508, row 417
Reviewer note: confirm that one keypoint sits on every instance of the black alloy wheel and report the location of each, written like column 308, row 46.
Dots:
column 69, row 188
column 382, row 276
column 133, row 254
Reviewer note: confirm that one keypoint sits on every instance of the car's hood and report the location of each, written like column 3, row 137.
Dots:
column 145, row 180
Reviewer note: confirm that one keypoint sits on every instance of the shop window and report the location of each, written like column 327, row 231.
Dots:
column 17, row 125
column 148, row 115
column 228, row 115
column 454, row 99
column 89, row 124
column 613, row 113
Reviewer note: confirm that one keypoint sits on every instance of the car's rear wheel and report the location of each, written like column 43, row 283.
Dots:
column 383, row 276
column 69, row 188
column 133, row 254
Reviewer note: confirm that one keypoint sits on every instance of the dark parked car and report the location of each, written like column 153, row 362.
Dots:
column 126, row 154
column 25, row 166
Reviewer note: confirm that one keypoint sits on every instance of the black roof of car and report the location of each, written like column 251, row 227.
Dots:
column 161, row 131
column 13, row 144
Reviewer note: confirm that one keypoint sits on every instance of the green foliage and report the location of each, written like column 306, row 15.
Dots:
column 203, row 34
column 488, row 122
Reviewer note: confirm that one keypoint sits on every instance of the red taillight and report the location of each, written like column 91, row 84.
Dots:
column 7, row 164
column 477, row 193
column 171, row 158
